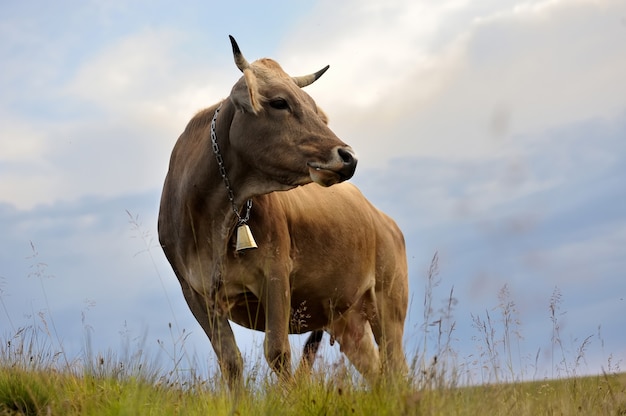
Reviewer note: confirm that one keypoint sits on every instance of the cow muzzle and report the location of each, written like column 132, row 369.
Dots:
column 339, row 169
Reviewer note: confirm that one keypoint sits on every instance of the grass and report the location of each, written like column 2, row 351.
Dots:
column 38, row 378
column 33, row 392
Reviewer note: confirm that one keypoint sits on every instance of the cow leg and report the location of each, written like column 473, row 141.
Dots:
column 388, row 328
column 220, row 334
column 353, row 332
column 388, row 335
column 277, row 304
column 309, row 351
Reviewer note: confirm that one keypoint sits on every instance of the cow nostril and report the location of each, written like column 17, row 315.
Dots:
column 346, row 156
column 349, row 162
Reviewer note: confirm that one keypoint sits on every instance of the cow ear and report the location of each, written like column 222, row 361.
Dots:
column 253, row 90
column 246, row 97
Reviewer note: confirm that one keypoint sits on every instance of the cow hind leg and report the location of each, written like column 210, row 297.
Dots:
column 388, row 328
column 354, row 334
column 309, row 351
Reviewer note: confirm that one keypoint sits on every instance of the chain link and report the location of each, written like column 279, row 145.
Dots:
column 220, row 163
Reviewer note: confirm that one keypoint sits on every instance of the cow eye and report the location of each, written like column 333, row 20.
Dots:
column 279, row 104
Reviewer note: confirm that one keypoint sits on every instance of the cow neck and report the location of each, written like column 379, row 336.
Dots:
column 245, row 240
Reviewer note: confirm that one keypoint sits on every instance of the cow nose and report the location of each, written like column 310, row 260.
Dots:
column 349, row 161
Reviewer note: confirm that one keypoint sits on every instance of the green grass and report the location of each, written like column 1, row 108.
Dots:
column 34, row 392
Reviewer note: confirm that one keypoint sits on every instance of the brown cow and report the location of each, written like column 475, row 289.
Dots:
column 327, row 259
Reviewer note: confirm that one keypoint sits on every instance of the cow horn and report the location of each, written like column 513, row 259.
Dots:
column 241, row 62
column 305, row 80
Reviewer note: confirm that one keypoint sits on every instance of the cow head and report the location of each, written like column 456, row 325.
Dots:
column 280, row 132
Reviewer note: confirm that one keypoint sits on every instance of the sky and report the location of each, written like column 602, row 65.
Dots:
column 493, row 132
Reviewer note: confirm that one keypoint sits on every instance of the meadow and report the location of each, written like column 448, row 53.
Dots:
column 37, row 377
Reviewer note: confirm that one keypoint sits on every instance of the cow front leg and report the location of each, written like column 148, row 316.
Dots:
column 277, row 304
column 228, row 355
column 220, row 334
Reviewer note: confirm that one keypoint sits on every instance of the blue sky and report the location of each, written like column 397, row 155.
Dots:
column 494, row 132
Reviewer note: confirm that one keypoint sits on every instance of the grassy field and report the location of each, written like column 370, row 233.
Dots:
column 47, row 392
column 38, row 378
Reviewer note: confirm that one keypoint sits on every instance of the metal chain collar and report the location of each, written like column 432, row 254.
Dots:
column 220, row 163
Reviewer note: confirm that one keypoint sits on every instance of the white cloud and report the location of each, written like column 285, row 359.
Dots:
column 408, row 82
column 449, row 80
column 407, row 77
column 144, row 75
column 20, row 142
column 108, row 127
column 371, row 46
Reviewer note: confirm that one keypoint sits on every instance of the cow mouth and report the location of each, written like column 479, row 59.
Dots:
column 325, row 176
column 341, row 167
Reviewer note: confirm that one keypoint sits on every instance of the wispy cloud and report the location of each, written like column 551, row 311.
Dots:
column 459, row 90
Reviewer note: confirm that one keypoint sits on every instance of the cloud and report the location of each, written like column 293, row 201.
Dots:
column 446, row 81
column 111, row 132
column 407, row 86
